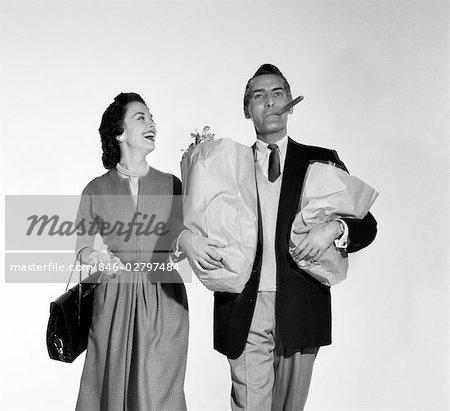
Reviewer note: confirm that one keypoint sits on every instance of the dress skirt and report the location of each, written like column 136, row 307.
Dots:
column 137, row 348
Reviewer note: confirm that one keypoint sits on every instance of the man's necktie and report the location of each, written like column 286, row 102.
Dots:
column 274, row 163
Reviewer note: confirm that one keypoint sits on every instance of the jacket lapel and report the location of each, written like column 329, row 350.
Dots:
column 294, row 172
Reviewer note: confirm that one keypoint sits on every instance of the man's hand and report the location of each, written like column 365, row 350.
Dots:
column 200, row 251
column 318, row 238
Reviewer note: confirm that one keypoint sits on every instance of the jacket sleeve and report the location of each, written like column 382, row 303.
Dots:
column 176, row 215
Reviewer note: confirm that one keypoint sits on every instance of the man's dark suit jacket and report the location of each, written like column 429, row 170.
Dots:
column 303, row 305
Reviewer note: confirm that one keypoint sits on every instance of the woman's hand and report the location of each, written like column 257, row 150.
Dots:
column 318, row 238
column 201, row 251
column 88, row 256
column 109, row 262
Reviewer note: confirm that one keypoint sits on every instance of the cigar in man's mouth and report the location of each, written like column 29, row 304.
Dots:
column 289, row 105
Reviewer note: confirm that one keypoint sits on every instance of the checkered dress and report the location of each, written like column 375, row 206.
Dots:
column 136, row 355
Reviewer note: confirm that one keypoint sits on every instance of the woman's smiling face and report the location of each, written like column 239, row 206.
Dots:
column 139, row 129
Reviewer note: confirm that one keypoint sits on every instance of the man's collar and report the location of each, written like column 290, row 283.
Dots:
column 262, row 147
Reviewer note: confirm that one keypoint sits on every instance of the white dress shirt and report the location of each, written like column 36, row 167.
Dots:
column 262, row 154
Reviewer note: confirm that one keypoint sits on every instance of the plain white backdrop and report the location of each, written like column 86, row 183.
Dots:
column 375, row 79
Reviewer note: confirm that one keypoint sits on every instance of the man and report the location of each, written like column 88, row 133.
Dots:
column 272, row 330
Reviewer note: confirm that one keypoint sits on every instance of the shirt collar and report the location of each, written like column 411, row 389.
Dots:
column 282, row 146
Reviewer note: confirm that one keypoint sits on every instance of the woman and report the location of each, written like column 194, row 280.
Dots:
column 136, row 356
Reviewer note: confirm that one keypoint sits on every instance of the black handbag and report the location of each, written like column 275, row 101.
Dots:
column 70, row 319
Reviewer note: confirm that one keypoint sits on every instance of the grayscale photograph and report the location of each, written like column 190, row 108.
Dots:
column 223, row 205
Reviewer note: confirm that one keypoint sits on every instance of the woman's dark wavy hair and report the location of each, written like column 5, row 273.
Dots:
column 263, row 70
column 112, row 126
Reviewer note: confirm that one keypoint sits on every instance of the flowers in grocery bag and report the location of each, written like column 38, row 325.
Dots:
column 220, row 202
column 329, row 193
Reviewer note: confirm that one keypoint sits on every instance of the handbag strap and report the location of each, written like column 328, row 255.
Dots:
column 80, row 291
column 74, row 265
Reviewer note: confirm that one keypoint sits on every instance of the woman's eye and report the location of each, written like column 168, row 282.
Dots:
column 257, row 96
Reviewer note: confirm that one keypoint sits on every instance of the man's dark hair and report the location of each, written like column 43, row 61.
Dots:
column 263, row 70
column 111, row 126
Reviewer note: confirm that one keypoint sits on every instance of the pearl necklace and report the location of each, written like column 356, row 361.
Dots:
column 130, row 173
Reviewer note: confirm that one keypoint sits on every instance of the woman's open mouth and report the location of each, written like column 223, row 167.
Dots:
column 150, row 136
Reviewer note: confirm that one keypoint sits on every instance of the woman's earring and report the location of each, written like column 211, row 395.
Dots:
column 121, row 138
